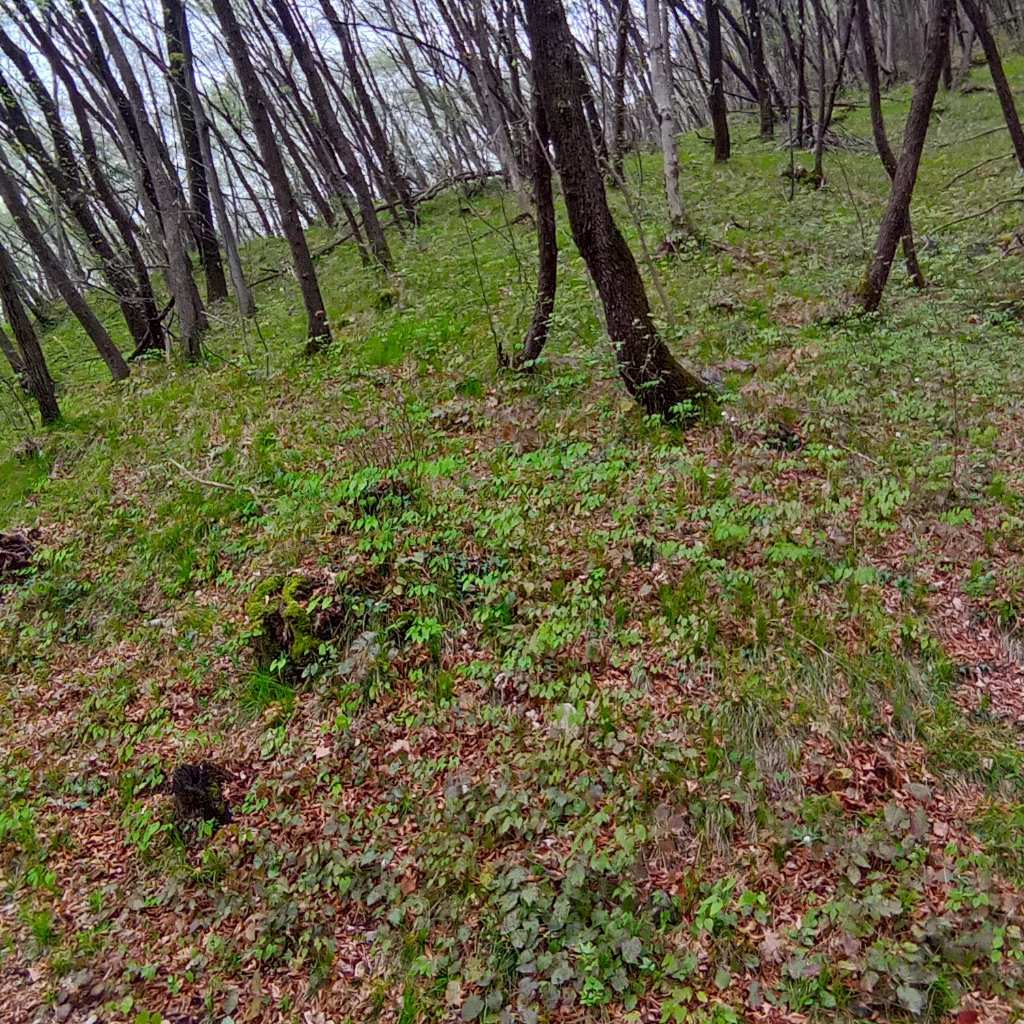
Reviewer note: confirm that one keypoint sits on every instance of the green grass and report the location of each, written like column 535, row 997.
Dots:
column 587, row 710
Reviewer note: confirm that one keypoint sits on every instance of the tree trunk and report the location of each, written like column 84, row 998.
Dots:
column 752, row 11
column 169, row 199
column 33, row 372
column 648, row 369
column 975, row 11
column 57, row 275
column 385, row 154
column 662, row 88
column 179, row 54
column 619, row 89
column 895, row 219
column 318, row 329
column 332, row 129
column 132, row 294
column 547, row 242
column 716, row 94
column 888, row 157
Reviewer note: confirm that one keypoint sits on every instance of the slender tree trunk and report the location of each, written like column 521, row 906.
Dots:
column 828, row 100
column 243, row 293
column 716, row 94
column 547, row 242
column 33, row 371
column 888, row 157
column 133, row 292
column 619, row 89
column 169, row 199
column 332, row 128
column 380, row 142
column 647, row 367
column 318, row 330
column 752, row 11
column 57, row 275
column 976, row 12
column 662, row 87
column 179, row 52
column 895, row 219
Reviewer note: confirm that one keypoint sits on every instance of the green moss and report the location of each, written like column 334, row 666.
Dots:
column 282, row 625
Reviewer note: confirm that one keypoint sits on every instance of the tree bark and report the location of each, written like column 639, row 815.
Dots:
column 332, row 128
column 651, row 375
column 179, row 52
column 318, row 329
column 57, row 275
column 29, row 362
column 895, row 219
column 619, row 89
column 887, row 156
column 716, row 93
column 662, row 87
column 752, row 11
column 547, row 242
column 975, row 11
column 133, row 292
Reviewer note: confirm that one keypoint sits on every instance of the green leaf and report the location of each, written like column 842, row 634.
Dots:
column 472, row 1008
column 911, row 998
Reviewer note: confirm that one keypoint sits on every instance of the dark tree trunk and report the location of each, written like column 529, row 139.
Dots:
column 752, row 11
column 179, row 52
column 33, row 372
column 828, row 100
column 319, row 331
column 133, row 292
column 332, row 128
column 895, row 219
column 976, row 12
column 649, row 371
column 619, row 89
column 804, row 121
column 716, row 93
column 385, row 154
column 57, row 275
column 547, row 242
column 172, row 214
column 888, row 157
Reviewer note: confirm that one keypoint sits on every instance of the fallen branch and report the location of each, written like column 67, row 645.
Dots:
column 978, row 166
column 980, row 213
column 220, row 484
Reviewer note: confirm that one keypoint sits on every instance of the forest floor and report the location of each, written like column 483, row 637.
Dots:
column 531, row 708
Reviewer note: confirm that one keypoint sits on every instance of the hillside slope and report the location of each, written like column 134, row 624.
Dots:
column 531, row 709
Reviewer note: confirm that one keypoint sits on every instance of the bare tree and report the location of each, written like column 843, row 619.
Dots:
column 648, row 369
column 27, row 360
column 318, row 329
column 895, row 219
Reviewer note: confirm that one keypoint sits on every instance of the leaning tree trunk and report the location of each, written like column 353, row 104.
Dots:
column 887, row 156
column 335, row 135
column 752, row 11
column 975, row 11
column 651, row 375
column 57, row 275
column 176, row 32
column 914, row 135
column 31, row 364
column 169, row 199
column 716, row 92
column 547, row 242
column 64, row 174
column 318, row 330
